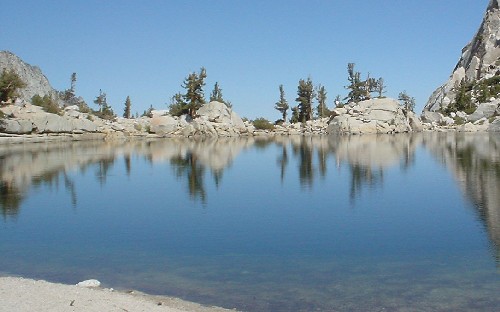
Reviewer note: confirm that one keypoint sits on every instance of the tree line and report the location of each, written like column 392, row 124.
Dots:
column 359, row 90
column 311, row 100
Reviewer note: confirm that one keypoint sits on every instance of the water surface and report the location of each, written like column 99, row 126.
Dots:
column 362, row 223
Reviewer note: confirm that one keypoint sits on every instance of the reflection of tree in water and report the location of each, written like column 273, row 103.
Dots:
column 217, row 174
column 128, row 164
column 103, row 167
column 10, row 199
column 283, row 161
column 304, row 151
column 189, row 166
column 322, row 159
column 363, row 175
column 11, row 196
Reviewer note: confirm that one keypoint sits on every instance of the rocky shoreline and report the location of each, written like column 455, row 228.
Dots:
column 25, row 123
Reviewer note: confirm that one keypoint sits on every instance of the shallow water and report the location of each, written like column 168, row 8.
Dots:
column 378, row 223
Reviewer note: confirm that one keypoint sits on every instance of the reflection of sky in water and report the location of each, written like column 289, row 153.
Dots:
column 337, row 232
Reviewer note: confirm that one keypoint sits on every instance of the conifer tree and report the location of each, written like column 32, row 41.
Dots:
column 73, row 83
column 216, row 94
column 126, row 111
column 69, row 94
column 282, row 105
column 322, row 109
column 380, row 87
column 295, row 114
column 407, row 101
column 194, row 96
column 360, row 90
column 100, row 100
column 177, row 105
column 355, row 84
column 305, row 96
column 105, row 111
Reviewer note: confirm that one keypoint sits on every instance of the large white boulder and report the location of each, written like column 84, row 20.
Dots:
column 163, row 124
column 484, row 110
column 370, row 116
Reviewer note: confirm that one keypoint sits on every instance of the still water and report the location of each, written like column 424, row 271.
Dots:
column 362, row 223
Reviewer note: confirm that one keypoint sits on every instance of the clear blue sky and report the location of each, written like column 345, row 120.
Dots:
column 145, row 49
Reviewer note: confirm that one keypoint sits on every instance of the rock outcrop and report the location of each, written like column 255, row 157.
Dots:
column 214, row 119
column 29, row 119
column 383, row 115
column 36, row 82
column 480, row 59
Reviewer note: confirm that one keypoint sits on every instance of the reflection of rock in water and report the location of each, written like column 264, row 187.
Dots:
column 375, row 151
column 25, row 165
column 369, row 155
column 474, row 159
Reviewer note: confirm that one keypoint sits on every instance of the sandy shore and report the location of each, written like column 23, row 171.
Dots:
column 20, row 294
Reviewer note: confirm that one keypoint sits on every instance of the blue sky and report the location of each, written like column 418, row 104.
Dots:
column 145, row 49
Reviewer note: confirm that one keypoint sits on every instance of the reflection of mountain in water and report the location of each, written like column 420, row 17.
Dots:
column 474, row 159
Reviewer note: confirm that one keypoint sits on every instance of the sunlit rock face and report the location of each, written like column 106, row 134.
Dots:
column 36, row 82
column 371, row 116
column 480, row 59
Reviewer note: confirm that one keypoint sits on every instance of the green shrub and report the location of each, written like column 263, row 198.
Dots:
column 105, row 113
column 459, row 120
column 47, row 103
column 84, row 108
column 10, row 83
column 470, row 110
column 2, row 115
column 262, row 124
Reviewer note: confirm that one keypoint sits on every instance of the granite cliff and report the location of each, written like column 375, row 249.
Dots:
column 36, row 82
column 480, row 60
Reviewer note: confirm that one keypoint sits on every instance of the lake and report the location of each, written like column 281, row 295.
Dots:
column 350, row 223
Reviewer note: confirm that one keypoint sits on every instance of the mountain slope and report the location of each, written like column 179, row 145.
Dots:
column 479, row 62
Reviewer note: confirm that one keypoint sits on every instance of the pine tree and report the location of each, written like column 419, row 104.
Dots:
column 105, row 111
column 322, row 109
column 216, row 94
column 295, row 114
column 69, row 94
column 360, row 89
column 73, row 83
column 380, row 88
column 282, row 105
column 354, row 78
column 463, row 97
column 305, row 96
column 100, row 100
column 194, row 96
column 407, row 101
column 177, row 105
column 126, row 111
column 10, row 82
